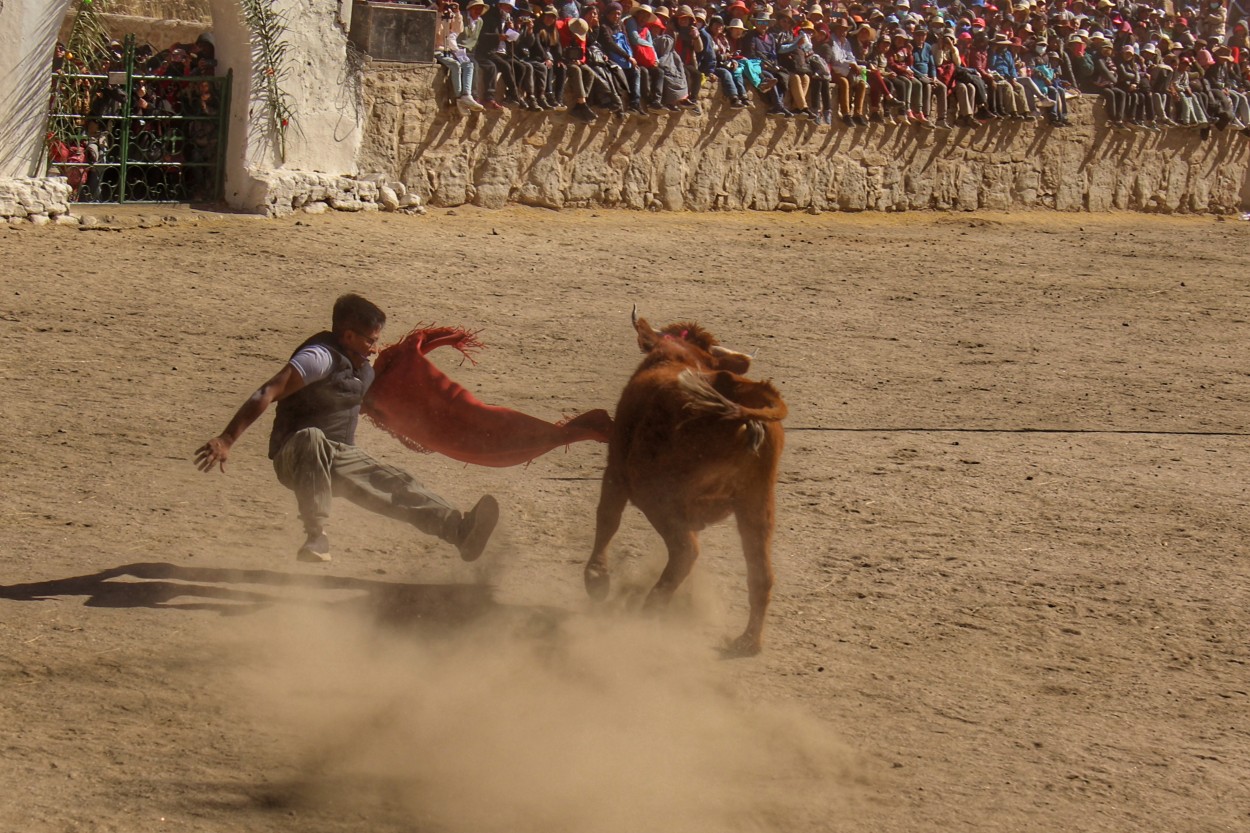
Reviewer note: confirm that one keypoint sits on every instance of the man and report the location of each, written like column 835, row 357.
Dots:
column 312, row 444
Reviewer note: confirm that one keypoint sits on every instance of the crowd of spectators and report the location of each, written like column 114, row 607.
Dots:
column 922, row 62
column 173, row 112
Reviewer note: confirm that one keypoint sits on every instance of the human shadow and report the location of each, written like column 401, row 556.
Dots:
column 233, row 592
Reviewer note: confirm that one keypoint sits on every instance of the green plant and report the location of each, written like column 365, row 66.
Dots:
column 269, row 66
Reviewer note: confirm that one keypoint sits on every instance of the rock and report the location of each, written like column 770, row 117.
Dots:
column 388, row 199
column 65, row 220
column 39, row 219
column 343, row 204
column 316, row 208
column 88, row 221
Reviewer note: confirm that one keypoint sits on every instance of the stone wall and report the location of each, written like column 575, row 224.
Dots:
column 739, row 159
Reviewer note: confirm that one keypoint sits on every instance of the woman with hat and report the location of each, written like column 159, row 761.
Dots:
column 650, row 76
column 1223, row 82
column 490, row 53
column 1158, row 78
column 581, row 77
column 846, row 76
column 1104, row 78
column 688, row 43
column 760, row 70
column 1007, row 88
column 947, row 61
column 453, row 57
column 727, row 68
column 1131, row 79
column 549, row 36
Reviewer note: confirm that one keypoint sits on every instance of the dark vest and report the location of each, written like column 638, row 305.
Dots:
column 332, row 404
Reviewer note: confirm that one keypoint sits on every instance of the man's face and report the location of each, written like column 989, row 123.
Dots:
column 363, row 345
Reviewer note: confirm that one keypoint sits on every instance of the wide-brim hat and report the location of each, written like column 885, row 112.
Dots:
column 473, row 3
column 644, row 9
column 550, row 10
column 663, row 12
column 736, row 23
column 685, row 11
column 579, row 28
column 1002, row 40
column 807, row 24
column 761, row 20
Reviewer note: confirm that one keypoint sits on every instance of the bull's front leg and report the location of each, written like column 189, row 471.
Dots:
column 613, row 496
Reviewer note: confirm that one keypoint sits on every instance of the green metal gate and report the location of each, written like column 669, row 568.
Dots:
column 125, row 137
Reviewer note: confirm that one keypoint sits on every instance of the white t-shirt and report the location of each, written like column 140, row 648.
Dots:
column 313, row 363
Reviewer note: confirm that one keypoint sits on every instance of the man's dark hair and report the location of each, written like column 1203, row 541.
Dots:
column 351, row 312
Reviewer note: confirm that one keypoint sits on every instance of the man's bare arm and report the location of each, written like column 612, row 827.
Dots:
column 215, row 452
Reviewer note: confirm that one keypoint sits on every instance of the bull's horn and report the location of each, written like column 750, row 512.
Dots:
column 633, row 316
column 717, row 350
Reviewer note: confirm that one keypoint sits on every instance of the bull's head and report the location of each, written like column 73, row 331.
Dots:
column 693, row 336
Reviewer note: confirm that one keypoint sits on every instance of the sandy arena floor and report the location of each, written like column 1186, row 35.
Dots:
column 1013, row 572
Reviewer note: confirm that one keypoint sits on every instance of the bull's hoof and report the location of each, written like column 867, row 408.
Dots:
column 597, row 582
column 744, row 646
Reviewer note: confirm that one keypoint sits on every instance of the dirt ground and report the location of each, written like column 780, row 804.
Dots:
column 1013, row 572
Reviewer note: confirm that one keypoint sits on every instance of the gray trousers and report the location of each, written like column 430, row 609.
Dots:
column 318, row 469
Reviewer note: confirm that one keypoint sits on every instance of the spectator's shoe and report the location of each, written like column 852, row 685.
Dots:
column 876, row 118
column 470, row 102
column 316, row 549
column 736, row 104
column 942, row 124
column 849, row 121
column 826, row 118
column 672, row 108
column 637, row 110
column 583, row 113
column 491, row 104
column 512, row 101
column 860, row 121
column 685, row 102
column 476, row 528
column 463, row 106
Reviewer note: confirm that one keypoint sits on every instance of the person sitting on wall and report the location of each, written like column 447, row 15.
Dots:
column 491, row 54
column 453, row 57
column 553, row 56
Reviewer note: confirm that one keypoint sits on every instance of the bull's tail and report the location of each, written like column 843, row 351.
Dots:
column 703, row 397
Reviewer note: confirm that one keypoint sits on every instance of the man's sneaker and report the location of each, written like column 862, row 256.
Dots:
column 476, row 528
column 316, row 549
column 471, row 102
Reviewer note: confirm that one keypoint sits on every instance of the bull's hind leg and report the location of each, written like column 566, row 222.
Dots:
column 755, row 527
column 683, row 550
column 613, row 496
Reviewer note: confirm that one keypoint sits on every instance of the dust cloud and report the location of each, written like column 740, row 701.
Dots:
column 529, row 719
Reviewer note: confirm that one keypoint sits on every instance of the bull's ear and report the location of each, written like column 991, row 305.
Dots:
column 647, row 335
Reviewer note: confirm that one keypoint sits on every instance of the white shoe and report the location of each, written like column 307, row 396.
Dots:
column 471, row 102
column 462, row 105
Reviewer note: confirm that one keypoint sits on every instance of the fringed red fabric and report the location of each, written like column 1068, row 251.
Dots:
column 429, row 412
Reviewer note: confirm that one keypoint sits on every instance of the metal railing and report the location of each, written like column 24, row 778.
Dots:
column 127, row 137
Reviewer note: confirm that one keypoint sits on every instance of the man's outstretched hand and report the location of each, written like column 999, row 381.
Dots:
column 212, row 453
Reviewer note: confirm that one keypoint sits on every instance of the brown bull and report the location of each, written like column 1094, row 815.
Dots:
column 693, row 442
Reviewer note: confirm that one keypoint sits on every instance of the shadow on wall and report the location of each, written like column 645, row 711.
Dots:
column 739, row 159
column 21, row 132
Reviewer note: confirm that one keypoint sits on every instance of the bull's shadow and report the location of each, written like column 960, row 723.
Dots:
column 233, row 592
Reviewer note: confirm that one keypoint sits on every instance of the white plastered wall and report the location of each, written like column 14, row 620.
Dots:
column 325, row 136
column 28, row 31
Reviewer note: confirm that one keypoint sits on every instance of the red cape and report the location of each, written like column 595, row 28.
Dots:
column 428, row 411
